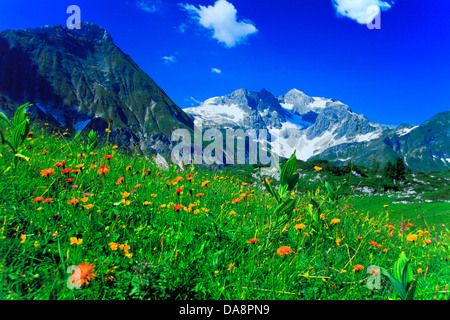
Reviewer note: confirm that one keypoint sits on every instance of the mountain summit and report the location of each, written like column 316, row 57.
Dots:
column 77, row 79
column 309, row 125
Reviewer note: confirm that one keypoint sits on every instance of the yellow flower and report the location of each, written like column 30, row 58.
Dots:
column 126, row 202
column 36, row 244
column 338, row 241
column 88, row 206
column 125, row 194
column 204, row 183
column 84, row 200
column 231, row 266
column 146, row 203
column 299, row 226
column 76, row 241
column 317, row 168
column 23, row 238
column 232, row 213
column 335, row 221
column 216, row 272
column 412, row 237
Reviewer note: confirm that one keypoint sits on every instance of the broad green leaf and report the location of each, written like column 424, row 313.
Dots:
column 5, row 118
column 397, row 284
column 18, row 155
column 411, row 292
column 288, row 169
column 292, row 181
column 19, row 115
column 270, row 189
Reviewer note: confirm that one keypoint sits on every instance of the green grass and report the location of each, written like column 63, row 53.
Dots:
column 200, row 251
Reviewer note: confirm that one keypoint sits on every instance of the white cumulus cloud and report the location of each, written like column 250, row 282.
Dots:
column 168, row 59
column 215, row 70
column 221, row 18
column 361, row 10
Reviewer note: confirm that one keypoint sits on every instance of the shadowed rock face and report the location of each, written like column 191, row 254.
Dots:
column 77, row 79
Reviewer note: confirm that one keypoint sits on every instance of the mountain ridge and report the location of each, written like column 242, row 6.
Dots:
column 78, row 79
column 323, row 128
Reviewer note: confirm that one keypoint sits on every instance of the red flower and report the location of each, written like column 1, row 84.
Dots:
column 69, row 180
column 177, row 207
column 179, row 190
column 38, row 199
column 108, row 156
column 47, row 200
column 253, row 240
column 64, row 171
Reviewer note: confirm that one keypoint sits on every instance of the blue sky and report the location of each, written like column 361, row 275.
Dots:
column 195, row 50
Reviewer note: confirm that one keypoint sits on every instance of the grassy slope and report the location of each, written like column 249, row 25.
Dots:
column 198, row 252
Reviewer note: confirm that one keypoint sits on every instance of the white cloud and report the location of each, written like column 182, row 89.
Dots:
column 360, row 10
column 168, row 59
column 222, row 20
column 193, row 102
column 149, row 5
column 215, row 70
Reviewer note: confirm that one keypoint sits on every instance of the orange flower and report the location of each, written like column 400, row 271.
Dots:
column 317, row 168
column 427, row 241
column 103, row 170
column 199, row 195
column 358, row 267
column 253, row 240
column 335, row 221
column 284, row 250
column 128, row 168
column 179, row 190
column 83, row 274
column 47, row 172
column 58, row 164
column 178, row 179
column 113, row 246
column 47, row 200
column 120, row 180
column 73, row 201
column 108, row 156
column 237, row 200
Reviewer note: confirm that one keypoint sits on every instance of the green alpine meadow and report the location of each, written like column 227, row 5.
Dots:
column 87, row 220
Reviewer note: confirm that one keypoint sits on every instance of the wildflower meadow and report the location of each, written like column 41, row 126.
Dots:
column 87, row 220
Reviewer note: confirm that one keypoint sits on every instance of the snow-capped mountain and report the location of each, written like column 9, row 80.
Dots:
column 296, row 121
